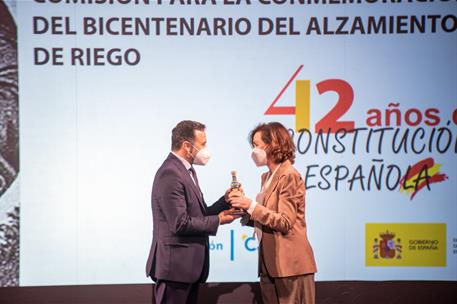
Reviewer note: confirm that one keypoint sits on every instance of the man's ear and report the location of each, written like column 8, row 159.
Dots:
column 187, row 146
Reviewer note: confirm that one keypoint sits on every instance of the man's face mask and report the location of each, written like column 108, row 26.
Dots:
column 202, row 157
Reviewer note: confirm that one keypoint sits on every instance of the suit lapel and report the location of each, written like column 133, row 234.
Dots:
column 188, row 180
column 194, row 188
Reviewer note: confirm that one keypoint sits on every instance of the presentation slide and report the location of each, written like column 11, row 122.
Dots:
column 91, row 89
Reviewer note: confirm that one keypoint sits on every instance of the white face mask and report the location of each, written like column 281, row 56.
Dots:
column 259, row 156
column 202, row 157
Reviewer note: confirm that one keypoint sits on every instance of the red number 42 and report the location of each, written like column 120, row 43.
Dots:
column 330, row 122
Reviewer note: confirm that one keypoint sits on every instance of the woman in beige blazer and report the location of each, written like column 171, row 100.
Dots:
column 286, row 260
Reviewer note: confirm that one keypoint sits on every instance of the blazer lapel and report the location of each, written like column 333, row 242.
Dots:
column 260, row 198
column 274, row 181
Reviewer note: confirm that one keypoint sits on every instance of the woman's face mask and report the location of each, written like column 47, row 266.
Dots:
column 259, row 156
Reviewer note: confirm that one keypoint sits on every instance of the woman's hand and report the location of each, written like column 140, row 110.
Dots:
column 238, row 200
column 230, row 190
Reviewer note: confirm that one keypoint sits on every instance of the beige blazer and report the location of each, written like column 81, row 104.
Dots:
column 285, row 247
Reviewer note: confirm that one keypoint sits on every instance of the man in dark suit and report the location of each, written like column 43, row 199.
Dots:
column 179, row 255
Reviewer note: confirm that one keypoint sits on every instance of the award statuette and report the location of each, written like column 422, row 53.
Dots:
column 235, row 185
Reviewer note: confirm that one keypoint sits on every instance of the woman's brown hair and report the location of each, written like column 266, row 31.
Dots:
column 280, row 144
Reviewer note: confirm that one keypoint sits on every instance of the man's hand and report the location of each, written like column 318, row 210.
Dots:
column 227, row 216
column 238, row 200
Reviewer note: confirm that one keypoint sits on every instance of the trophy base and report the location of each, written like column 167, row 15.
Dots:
column 238, row 212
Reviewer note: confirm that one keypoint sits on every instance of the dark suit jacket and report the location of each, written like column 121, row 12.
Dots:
column 182, row 223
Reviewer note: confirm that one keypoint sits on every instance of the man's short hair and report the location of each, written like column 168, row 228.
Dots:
column 184, row 130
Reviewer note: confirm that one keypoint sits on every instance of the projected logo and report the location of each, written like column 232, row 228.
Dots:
column 392, row 116
column 377, row 141
column 331, row 121
column 386, row 248
column 401, row 244
column 236, row 244
column 421, row 175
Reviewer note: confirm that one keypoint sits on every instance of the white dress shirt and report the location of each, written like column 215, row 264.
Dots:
column 186, row 164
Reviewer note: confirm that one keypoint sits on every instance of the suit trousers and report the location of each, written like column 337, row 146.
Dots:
column 168, row 292
column 298, row 289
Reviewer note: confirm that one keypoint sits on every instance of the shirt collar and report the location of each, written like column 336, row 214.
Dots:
column 184, row 162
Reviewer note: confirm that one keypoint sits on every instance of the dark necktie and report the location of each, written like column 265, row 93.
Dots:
column 194, row 175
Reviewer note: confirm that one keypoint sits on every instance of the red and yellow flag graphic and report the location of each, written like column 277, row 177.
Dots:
column 422, row 174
